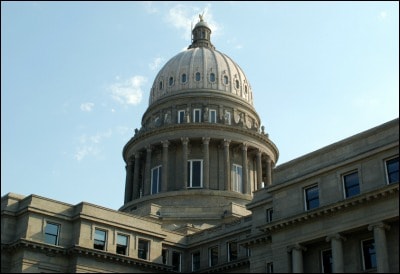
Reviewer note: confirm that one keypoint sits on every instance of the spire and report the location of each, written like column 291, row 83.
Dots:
column 201, row 34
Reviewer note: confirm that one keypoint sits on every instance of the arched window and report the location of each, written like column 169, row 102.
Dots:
column 226, row 80
column 212, row 77
column 183, row 78
column 160, row 86
column 237, row 83
column 171, row 81
column 197, row 76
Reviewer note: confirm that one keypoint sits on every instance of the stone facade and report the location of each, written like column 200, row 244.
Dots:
column 203, row 194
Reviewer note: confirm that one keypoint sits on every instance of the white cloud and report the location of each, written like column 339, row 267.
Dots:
column 383, row 15
column 87, row 107
column 148, row 5
column 89, row 145
column 155, row 64
column 130, row 91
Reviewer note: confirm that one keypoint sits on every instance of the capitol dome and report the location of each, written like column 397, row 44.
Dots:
column 200, row 151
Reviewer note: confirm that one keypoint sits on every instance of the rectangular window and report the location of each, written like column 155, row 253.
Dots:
column 213, row 256
column 326, row 258
column 311, row 197
column 237, row 178
column 369, row 254
column 227, row 118
column 122, row 244
column 196, row 261
column 196, row 115
column 351, row 184
column 270, row 267
column 51, row 233
column 181, row 116
column 176, row 261
column 212, row 117
column 232, row 251
column 143, row 250
column 164, row 255
column 156, row 175
column 195, row 173
column 269, row 213
column 100, row 237
column 392, row 170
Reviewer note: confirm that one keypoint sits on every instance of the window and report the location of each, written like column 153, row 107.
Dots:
column 392, row 170
column 270, row 267
column 226, row 80
column 269, row 213
column 183, row 79
column 100, row 239
column 232, row 251
column 311, row 197
column 181, row 116
column 51, row 233
column 195, row 173
column 237, row 84
column 196, row 261
column 196, row 115
column 227, row 117
column 143, row 250
column 237, row 178
column 171, row 81
column 197, row 76
column 326, row 258
column 160, row 86
column 213, row 256
column 176, row 261
column 164, row 255
column 212, row 77
column 122, row 244
column 156, row 174
column 212, row 117
column 369, row 254
column 351, row 184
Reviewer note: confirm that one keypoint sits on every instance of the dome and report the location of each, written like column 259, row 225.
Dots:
column 201, row 67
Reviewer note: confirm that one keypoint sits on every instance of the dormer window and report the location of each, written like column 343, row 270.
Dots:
column 226, row 80
column 160, row 86
column 237, row 83
column 212, row 77
column 171, row 81
column 183, row 78
column 197, row 76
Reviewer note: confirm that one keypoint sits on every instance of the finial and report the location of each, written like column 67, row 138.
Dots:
column 201, row 17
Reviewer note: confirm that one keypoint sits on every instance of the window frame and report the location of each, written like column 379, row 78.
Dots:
column 179, row 266
column 197, row 76
column 269, row 214
column 230, row 253
column 212, row 116
column 190, row 173
column 370, row 255
column 57, row 236
column 126, row 253
column 105, row 239
column 197, row 115
column 159, row 177
column 212, row 260
column 306, row 198
column 229, row 118
column 146, row 249
column 346, row 187
column 183, row 78
column 164, row 256
column 323, row 270
column 388, row 180
column 196, row 263
column 237, row 178
column 181, row 116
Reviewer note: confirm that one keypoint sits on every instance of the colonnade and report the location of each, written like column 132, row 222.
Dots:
column 336, row 241
column 133, row 168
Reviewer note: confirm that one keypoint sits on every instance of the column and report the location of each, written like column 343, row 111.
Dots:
column 337, row 252
column 128, row 181
column 246, row 187
column 136, row 183
column 147, row 176
column 297, row 258
column 185, row 141
column 227, row 165
column 382, row 262
column 259, row 170
column 268, row 170
column 164, row 180
column 206, row 164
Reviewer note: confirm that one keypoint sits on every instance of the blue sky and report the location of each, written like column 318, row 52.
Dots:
column 76, row 76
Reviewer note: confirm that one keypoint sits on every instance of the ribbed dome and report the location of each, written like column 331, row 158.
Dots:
column 201, row 67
